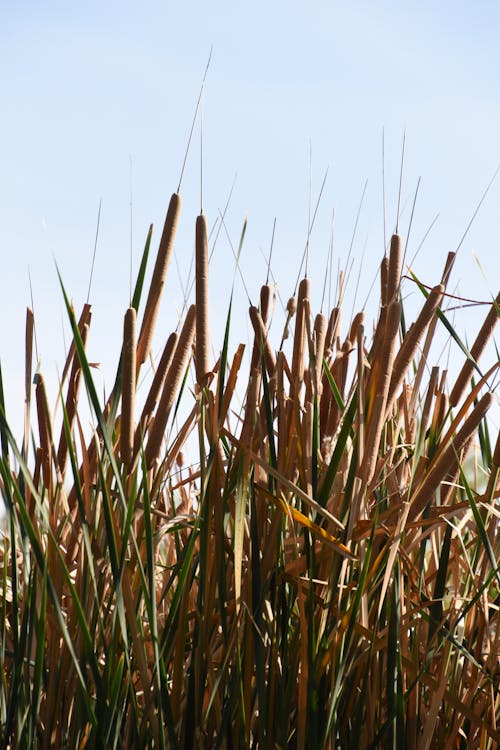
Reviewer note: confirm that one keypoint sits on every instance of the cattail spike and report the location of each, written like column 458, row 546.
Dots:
column 477, row 349
column 170, row 387
column 158, row 279
column 128, row 385
column 202, row 325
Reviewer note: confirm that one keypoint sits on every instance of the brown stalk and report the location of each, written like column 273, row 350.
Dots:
column 447, row 461
column 170, row 387
column 158, row 279
column 477, row 349
column 128, row 386
column 202, row 325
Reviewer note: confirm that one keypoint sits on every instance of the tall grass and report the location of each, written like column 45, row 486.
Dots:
column 324, row 576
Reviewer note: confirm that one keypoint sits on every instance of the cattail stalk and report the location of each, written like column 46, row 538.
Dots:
column 158, row 279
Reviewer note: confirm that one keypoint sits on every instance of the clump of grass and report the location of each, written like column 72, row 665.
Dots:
column 324, row 576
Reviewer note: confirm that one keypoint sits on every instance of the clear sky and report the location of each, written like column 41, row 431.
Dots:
column 97, row 100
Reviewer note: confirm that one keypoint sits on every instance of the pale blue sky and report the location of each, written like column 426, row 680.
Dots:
column 88, row 88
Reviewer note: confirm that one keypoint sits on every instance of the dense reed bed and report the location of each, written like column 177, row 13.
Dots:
column 325, row 575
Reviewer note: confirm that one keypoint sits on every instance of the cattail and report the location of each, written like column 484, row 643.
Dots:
column 357, row 321
column 265, row 309
column 44, row 428
column 394, row 270
column 128, row 385
column 262, row 338
column 71, row 402
column 291, row 309
column 319, row 350
column 477, row 349
column 28, row 375
column 159, row 377
column 202, row 327
column 384, row 276
column 250, row 417
column 158, row 279
column 172, row 382
column 266, row 298
column 360, row 335
column 447, row 461
column 384, row 371
column 412, row 340
column 333, row 330
column 299, row 342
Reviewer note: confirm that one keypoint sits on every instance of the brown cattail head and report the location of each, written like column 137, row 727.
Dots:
column 384, row 276
column 71, row 401
column 446, row 464
column 320, row 326
column 266, row 298
column 170, row 387
column 128, row 385
column 299, row 342
column 44, row 428
column 202, row 326
column 262, row 340
column 477, row 349
column 412, row 339
column 158, row 279
column 395, row 265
